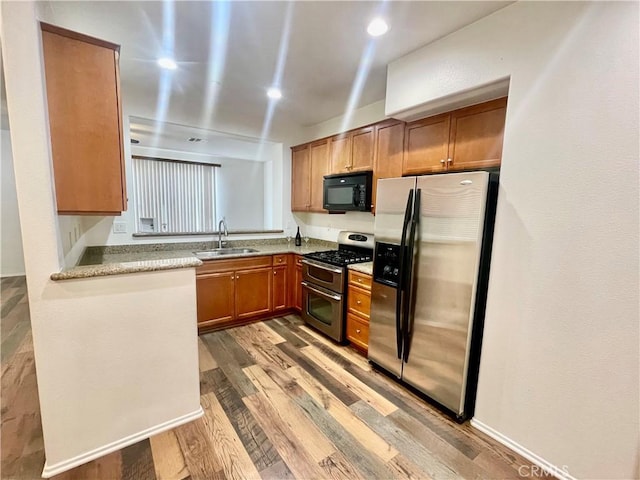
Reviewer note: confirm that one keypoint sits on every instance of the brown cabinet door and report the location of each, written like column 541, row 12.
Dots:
column 300, row 179
column 280, row 284
column 319, row 168
column 215, row 297
column 476, row 136
column 362, row 147
column 340, row 153
column 253, row 292
column 358, row 331
column 389, row 146
column 85, row 120
column 426, row 145
column 297, row 285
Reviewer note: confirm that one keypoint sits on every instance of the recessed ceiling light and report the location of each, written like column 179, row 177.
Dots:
column 168, row 63
column 377, row 27
column 274, row 93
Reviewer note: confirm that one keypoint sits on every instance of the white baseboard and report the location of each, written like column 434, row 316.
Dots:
column 545, row 466
column 51, row 470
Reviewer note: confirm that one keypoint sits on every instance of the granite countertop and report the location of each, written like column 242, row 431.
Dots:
column 366, row 267
column 124, row 259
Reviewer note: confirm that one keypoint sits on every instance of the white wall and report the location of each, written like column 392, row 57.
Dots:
column 240, row 194
column 11, row 256
column 559, row 371
column 116, row 357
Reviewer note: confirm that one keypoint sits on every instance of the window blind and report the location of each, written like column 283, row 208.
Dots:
column 174, row 196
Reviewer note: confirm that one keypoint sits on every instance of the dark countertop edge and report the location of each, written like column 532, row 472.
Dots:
column 105, row 270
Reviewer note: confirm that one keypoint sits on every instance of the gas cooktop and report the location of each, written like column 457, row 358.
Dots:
column 353, row 247
column 341, row 258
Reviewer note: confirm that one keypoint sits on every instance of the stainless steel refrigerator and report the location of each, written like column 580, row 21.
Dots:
column 431, row 263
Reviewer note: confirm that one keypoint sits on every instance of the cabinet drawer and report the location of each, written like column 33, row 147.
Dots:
column 360, row 280
column 357, row 331
column 213, row 266
column 359, row 301
column 280, row 260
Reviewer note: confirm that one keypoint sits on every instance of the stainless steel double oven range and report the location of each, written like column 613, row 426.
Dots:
column 324, row 276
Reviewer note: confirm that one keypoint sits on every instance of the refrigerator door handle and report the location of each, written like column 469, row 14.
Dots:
column 406, row 327
column 401, row 283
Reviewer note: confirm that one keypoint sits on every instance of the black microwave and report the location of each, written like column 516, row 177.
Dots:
column 348, row 192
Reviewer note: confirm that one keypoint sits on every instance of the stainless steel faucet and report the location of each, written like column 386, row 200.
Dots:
column 222, row 224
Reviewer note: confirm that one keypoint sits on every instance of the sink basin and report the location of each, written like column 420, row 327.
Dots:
column 220, row 252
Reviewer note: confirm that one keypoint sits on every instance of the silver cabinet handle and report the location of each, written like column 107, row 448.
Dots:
column 358, row 302
column 357, row 330
column 449, row 160
column 442, row 161
column 320, row 292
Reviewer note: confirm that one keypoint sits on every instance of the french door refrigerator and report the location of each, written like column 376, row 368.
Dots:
column 431, row 263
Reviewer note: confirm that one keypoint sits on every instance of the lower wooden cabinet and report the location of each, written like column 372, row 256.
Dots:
column 280, row 293
column 219, row 307
column 297, row 284
column 358, row 309
column 253, row 292
column 236, row 291
column 358, row 331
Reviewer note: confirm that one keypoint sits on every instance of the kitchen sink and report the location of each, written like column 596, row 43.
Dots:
column 220, row 252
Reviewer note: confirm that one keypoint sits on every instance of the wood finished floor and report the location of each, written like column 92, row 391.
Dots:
column 280, row 401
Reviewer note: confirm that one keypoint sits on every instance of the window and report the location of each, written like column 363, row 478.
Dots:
column 172, row 196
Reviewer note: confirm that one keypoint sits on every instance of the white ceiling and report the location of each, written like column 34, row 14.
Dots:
column 174, row 137
column 325, row 46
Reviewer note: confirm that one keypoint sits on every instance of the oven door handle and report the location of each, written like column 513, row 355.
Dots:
column 322, row 266
column 320, row 292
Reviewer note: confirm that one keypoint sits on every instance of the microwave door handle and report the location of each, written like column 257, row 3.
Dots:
column 403, row 242
column 354, row 196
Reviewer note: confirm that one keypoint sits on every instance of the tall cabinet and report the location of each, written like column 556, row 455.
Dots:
column 85, row 122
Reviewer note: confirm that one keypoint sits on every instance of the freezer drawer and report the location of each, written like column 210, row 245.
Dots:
column 382, row 329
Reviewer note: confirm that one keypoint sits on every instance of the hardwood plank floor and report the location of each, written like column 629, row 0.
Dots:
column 281, row 402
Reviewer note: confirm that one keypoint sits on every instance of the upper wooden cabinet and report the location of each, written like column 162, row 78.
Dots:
column 389, row 143
column 309, row 164
column 319, row 154
column 300, row 179
column 426, row 145
column 85, row 121
column 477, row 134
column 465, row 139
column 362, row 148
column 340, row 153
column 352, row 151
